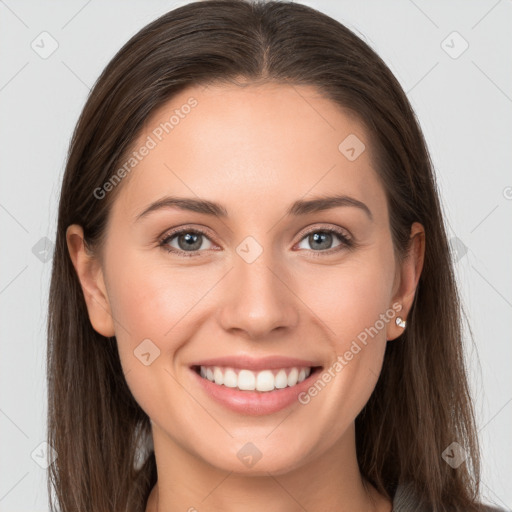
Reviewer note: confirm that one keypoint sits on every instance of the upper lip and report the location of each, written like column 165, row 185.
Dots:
column 260, row 363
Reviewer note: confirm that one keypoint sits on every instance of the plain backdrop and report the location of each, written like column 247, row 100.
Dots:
column 453, row 59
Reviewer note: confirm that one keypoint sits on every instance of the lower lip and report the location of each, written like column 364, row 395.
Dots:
column 256, row 403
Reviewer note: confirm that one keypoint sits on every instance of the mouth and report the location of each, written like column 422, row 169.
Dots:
column 262, row 381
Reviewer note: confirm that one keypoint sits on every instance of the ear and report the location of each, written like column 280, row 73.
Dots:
column 90, row 275
column 407, row 278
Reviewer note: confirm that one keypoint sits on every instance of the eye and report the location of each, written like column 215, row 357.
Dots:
column 188, row 241
column 323, row 239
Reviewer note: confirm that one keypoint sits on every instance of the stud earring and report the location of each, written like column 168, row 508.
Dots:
column 400, row 322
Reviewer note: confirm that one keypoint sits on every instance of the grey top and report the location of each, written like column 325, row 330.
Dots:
column 407, row 501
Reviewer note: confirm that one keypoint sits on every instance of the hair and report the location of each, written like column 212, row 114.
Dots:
column 421, row 402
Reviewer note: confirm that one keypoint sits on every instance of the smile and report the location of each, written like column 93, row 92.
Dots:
column 248, row 380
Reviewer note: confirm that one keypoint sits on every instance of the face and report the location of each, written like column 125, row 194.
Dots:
column 267, row 281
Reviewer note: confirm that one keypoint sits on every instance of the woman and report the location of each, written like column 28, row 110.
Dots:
column 205, row 353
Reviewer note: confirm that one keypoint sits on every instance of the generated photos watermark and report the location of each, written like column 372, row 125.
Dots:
column 330, row 373
column 151, row 142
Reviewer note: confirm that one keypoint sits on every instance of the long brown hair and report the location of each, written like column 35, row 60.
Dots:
column 421, row 403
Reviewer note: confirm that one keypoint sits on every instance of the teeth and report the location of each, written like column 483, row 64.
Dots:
column 281, row 379
column 218, row 375
column 247, row 380
column 293, row 376
column 230, row 378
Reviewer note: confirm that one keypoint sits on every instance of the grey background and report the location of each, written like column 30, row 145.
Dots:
column 464, row 105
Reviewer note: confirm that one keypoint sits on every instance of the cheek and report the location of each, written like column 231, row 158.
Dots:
column 348, row 299
column 150, row 299
column 150, row 303
column 355, row 309
column 146, row 303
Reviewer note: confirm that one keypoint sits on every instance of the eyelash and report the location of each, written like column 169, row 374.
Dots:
column 346, row 242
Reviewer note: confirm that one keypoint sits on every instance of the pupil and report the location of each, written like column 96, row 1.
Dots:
column 317, row 237
column 191, row 241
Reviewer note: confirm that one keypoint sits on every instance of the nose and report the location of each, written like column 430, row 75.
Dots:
column 258, row 299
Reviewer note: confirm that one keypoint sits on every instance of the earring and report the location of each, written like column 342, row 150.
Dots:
column 400, row 322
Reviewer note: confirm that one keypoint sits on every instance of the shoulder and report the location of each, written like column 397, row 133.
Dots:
column 406, row 500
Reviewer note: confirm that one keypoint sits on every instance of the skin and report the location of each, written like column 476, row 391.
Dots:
column 255, row 149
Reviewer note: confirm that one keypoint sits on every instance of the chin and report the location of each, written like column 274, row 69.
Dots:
column 258, row 459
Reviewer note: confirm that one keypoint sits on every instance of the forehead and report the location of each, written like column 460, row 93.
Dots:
column 237, row 144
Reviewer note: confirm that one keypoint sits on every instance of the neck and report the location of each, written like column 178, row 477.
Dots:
column 331, row 482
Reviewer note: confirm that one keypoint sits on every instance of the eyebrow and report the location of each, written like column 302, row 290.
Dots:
column 299, row 207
